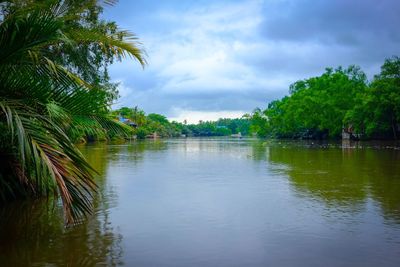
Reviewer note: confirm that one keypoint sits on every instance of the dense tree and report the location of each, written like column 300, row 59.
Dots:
column 315, row 108
column 221, row 127
column 158, row 123
column 259, row 123
column 320, row 107
column 377, row 113
column 238, row 125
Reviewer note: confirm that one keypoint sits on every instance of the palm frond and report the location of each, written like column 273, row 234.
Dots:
column 45, row 102
column 30, row 32
column 49, row 159
column 121, row 44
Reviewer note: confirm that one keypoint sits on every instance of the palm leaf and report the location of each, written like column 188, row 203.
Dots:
column 120, row 44
column 50, row 158
column 43, row 104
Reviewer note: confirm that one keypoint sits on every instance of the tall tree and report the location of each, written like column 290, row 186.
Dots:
column 377, row 113
column 316, row 107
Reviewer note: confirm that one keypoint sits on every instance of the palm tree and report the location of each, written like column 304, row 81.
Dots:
column 43, row 102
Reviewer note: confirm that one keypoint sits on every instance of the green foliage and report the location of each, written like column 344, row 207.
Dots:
column 320, row 107
column 221, row 127
column 315, row 108
column 238, row 125
column 259, row 123
column 51, row 97
column 158, row 123
column 377, row 113
column 157, row 118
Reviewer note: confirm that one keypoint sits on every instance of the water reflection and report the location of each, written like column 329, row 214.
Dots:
column 33, row 232
column 341, row 177
column 38, row 237
column 221, row 202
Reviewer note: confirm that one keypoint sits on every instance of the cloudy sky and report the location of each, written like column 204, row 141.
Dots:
column 210, row 59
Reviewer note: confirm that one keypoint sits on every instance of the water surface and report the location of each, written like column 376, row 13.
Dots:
column 221, row 202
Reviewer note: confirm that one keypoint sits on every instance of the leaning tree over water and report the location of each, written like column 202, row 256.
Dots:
column 54, row 83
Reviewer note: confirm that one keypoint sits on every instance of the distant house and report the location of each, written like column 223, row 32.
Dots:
column 127, row 121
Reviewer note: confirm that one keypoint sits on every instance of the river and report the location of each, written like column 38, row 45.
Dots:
column 221, row 202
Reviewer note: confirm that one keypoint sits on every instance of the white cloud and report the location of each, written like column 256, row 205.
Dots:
column 200, row 55
column 237, row 55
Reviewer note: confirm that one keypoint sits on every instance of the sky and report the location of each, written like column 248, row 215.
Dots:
column 212, row 59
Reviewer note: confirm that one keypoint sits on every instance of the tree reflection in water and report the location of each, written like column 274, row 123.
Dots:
column 341, row 176
column 33, row 232
column 331, row 178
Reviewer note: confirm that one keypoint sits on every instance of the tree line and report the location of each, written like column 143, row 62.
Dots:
column 145, row 125
column 340, row 100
